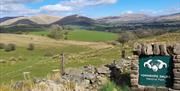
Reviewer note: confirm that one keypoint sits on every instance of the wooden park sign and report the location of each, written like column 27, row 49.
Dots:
column 155, row 67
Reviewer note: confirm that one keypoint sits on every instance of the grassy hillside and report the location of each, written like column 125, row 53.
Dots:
column 45, row 57
column 85, row 35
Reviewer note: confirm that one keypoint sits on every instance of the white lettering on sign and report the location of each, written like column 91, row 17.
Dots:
column 155, row 77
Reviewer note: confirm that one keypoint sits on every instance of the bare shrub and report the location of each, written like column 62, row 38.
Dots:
column 30, row 47
column 10, row 47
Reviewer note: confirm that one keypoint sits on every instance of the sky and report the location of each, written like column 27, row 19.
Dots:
column 90, row 8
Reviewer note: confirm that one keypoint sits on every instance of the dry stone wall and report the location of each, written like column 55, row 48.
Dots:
column 155, row 49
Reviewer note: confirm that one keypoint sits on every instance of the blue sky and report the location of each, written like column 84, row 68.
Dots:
column 91, row 8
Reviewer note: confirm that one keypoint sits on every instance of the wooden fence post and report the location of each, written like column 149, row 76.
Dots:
column 62, row 64
column 26, row 75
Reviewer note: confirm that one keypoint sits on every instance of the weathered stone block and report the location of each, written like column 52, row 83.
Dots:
column 149, row 50
column 176, row 86
column 176, row 49
column 163, row 49
column 176, row 60
column 135, row 72
column 134, row 61
column 132, row 76
column 137, row 89
column 177, row 65
column 177, row 74
column 133, row 65
column 177, row 81
column 137, row 49
column 134, row 82
column 144, row 49
column 156, row 50
column 135, row 57
column 177, row 57
column 162, row 89
column 176, row 70
column 150, row 89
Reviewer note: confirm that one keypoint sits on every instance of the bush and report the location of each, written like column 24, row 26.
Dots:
column 2, row 45
column 30, row 47
column 55, row 32
column 10, row 47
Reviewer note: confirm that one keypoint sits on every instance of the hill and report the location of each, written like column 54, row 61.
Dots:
column 39, row 19
column 24, row 22
column 76, row 20
column 6, row 18
column 166, row 18
column 140, row 18
column 126, row 18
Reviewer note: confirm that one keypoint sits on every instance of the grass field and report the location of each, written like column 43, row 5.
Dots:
column 45, row 57
column 85, row 35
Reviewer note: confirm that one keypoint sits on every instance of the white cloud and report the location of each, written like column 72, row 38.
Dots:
column 16, row 8
column 18, row 1
column 75, row 4
column 56, row 8
column 127, row 12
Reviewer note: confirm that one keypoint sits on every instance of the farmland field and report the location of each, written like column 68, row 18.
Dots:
column 85, row 35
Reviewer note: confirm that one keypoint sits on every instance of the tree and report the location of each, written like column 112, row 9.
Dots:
column 124, row 38
column 56, row 32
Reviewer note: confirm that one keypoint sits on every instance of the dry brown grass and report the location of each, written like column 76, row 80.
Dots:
column 24, row 40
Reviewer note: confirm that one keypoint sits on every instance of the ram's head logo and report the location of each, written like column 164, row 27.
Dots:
column 155, row 65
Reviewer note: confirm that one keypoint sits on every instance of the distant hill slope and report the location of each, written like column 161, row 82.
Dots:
column 172, row 17
column 126, row 18
column 76, row 20
column 39, row 19
column 24, row 22
column 140, row 18
column 6, row 18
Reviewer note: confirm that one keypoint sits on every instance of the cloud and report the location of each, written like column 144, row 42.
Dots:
column 16, row 8
column 127, row 12
column 56, row 8
column 74, row 5
column 18, row 1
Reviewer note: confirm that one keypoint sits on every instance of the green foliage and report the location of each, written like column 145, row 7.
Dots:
column 57, row 32
column 111, row 86
column 10, row 47
column 30, row 47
